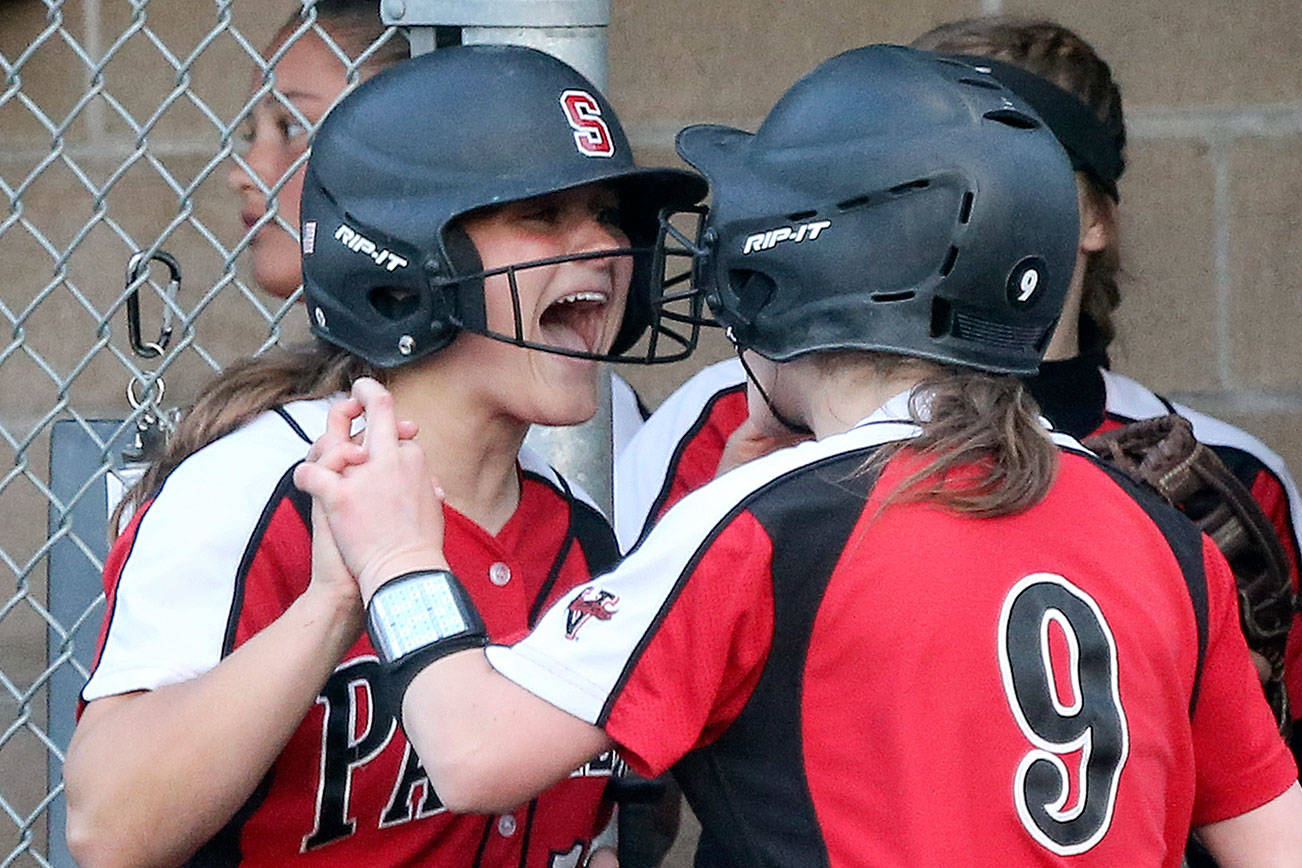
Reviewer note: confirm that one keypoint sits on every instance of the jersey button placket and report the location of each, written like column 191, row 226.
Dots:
column 499, row 574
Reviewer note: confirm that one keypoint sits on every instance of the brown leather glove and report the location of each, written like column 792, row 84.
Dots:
column 1163, row 453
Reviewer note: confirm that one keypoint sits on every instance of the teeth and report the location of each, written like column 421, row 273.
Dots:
column 582, row 296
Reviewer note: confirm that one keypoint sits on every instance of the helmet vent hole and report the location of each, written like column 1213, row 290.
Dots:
column 948, row 265
column 752, row 288
column 996, row 335
column 446, row 36
column 801, row 215
column 902, row 295
column 850, row 204
column 1013, row 118
column 393, row 302
column 942, row 317
column 909, row 187
column 987, row 83
column 965, row 209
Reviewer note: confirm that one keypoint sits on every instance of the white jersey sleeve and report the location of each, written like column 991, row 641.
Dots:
column 174, row 593
column 626, row 415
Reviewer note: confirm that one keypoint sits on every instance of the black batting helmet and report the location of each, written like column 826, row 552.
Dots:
column 387, row 273
column 892, row 200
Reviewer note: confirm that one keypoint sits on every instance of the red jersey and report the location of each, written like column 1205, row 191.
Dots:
column 223, row 550
column 840, row 684
column 679, row 448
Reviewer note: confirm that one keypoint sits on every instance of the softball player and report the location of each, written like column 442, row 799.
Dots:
column 879, row 647
column 234, row 715
column 310, row 72
column 1072, row 89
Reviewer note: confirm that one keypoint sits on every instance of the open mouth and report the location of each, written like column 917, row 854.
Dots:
column 576, row 321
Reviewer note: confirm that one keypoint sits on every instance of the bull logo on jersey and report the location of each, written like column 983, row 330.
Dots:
column 590, row 603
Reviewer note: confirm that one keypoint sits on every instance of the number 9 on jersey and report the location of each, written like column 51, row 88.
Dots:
column 1058, row 660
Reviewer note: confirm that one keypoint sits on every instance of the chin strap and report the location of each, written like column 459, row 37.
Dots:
column 783, row 419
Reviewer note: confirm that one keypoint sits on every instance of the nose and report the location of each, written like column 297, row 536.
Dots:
column 595, row 234
column 238, row 179
column 261, row 160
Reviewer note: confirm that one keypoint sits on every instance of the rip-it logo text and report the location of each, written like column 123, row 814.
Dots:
column 358, row 242
column 773, row 237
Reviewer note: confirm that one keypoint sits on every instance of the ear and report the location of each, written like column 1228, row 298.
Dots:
column 1098, row 218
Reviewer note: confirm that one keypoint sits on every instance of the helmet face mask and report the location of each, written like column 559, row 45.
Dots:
column 663, row 342
column 681, row 252
column 390, row 274
column 893, row 200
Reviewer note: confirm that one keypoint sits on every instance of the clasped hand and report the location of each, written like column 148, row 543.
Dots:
column 376, row 510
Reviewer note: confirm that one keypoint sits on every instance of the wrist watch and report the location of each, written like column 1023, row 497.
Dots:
column 420, row 610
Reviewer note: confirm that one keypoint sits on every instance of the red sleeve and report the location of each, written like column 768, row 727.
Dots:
column 113, row 563
column 704, row 657
column 1241, row 762
column 1273, row 500
column 698, row 459
column 1271, row 496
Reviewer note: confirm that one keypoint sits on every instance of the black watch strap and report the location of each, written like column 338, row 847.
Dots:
column 416, row 618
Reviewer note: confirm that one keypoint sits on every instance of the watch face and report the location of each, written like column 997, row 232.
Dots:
column 414, row 611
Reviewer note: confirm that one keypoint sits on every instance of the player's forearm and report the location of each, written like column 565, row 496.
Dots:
column 152, row 776
column 1266, row 837
column 486, row 743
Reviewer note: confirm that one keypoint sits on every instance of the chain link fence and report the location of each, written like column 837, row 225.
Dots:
column 119, row 122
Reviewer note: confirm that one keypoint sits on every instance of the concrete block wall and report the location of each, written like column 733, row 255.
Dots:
column 1209, row 210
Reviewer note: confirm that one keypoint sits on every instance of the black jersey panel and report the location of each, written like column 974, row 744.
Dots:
column 301, row 501
column 595, row 537
column 285, row 489
column 749, row 787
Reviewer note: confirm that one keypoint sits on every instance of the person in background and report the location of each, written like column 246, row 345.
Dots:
column 309, row 78
column 1072, row 87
